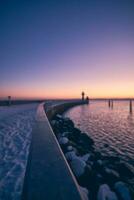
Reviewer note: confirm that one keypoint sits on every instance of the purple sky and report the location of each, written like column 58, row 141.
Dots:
column 59, row 48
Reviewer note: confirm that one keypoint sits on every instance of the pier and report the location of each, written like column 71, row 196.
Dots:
column 48, row 175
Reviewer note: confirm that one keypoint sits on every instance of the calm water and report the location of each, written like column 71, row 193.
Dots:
column 114, row 127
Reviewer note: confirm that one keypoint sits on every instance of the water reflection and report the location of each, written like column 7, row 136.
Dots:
column 114, row 127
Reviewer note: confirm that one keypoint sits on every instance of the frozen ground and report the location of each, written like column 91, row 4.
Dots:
column 16, row 123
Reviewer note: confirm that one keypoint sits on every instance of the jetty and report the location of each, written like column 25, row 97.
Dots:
column 48, row 175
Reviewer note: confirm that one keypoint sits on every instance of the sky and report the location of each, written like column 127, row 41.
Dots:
column 59, row 48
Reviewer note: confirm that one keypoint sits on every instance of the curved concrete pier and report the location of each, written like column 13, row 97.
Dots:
column 48, row 175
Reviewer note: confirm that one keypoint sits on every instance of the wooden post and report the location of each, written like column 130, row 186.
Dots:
column 130, row 107
column 112, row 103
column 109, row 103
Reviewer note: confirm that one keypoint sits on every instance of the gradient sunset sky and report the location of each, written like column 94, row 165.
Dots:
column 56, row 49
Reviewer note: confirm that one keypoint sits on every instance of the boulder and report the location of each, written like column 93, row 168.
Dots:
column 98, row 165
column 122, row 191
column 78, row 166
column 84, row 193
column 65, row 134
column 111, row 176
column 69, row 148
column 105, row 193
column 69, row 122
column 53, row 122
column 86, row 140
column 98, row 155
column 70, row 155
column 63, row 140
column 125, row 170
column 85, row 157
column 75, row 135
column 58, row 116
column 87, row 177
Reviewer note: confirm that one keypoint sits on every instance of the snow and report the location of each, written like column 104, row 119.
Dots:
column 122, row 190
column 16, row 124
column 105, row 193
column 85, row 157
column 70, row 148
column 70, row 155
column 78, row 166
column 63, row 140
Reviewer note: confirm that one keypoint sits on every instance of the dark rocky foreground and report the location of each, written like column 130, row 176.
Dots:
column 101, row 177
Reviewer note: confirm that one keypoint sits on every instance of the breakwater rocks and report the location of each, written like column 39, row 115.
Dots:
column 99, row 177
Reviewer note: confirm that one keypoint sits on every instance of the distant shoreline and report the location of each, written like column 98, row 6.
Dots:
column 19, row 102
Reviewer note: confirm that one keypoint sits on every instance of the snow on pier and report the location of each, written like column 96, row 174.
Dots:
column 16, row 124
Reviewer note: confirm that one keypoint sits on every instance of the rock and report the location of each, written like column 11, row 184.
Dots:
column 82, row 150
column 105, row 193
column 85, row 157
column 69, row 122
column 53, row 122
column 100, row 162
column 63, row 140
column 97, row 155
column 65, row 134
column 111, row 176
column 84, row 193
column 125, row 170
column 75, row 135
column 69, row 148
column 98, row 165
column 87, row 177
column 70, row 155
column 112, row 173
column 78, row 166
column 100, row 179
column 122, row 191
column 86, row 139
column 58, row 116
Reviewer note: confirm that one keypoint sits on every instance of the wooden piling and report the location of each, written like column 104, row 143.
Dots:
column 130, row 107
column 112, row 103
column 109, row 103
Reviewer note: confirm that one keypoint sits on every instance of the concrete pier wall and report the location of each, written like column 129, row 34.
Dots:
column 48, row 175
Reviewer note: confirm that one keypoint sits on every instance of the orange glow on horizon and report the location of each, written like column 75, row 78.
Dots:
column 109, row 91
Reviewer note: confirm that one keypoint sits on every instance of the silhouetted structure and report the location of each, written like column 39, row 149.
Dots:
column 130, row 107
column 9, row 100
column 87, row 99
column 112, row 103
column 83, row 94
column 109, row 103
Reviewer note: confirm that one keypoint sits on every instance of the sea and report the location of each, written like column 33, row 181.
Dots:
column 111, row 128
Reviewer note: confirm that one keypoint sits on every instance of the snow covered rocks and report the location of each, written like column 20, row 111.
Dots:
column 63, row 140
column 122, row 191
column 105, row 193
column 78, row 166
column 101, row 176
